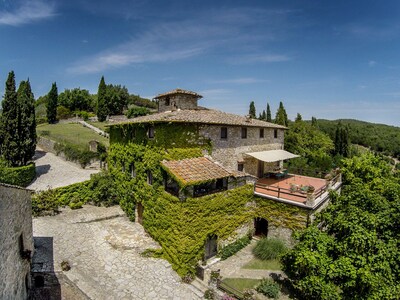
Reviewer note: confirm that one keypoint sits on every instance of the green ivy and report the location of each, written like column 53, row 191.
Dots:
column 182, row 228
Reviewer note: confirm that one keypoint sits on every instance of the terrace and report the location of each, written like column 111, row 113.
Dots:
column 299, row 190
column 276, row 183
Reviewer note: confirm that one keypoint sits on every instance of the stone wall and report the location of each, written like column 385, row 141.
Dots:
column 179, row 101
column 231, row 150
column 15, row 228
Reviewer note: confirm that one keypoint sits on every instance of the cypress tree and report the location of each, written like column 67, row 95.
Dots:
column 342, row 141
column 281, row 116
column 298, row 117
column 263, row 116
column 314, row 122
column 52, row 102
column 10, row 122
column 102, row 101
column 252, row 110
column 27, row 121
column 269, row 118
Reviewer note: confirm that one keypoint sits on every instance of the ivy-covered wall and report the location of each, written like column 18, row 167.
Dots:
column 182, row 228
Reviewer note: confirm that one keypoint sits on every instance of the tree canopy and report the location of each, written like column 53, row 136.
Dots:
column 281, row 117
column 252, row 110
column 357, row 253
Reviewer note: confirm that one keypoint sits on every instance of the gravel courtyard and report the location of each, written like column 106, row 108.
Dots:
column 103, row 248
column 53, row 171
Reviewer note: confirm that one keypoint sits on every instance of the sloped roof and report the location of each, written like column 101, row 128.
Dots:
column 178, row 91
column 195, row 170
column 202, row 116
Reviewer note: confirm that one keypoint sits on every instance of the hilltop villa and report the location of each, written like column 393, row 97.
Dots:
column 205, row 154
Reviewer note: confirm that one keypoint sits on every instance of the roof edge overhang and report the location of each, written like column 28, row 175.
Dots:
column 272, row 155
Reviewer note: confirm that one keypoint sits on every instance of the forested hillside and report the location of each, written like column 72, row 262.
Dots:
column 378, row 137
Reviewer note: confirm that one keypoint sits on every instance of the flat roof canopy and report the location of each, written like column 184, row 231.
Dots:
column 272, row 155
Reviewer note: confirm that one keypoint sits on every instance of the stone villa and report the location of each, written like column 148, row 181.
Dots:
column 236, row 151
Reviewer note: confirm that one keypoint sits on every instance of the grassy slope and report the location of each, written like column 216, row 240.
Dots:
column 73, row 133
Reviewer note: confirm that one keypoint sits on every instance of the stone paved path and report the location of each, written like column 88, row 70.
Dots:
column 103, row 248
column 53, row 171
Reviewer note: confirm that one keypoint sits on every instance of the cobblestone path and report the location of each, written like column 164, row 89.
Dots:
column 103, row 248
column 53, row 171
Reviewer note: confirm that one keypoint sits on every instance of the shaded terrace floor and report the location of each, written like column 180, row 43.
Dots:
column 281, row 188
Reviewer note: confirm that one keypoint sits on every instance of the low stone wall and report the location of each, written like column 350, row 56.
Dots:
column 16, row 241
column 48, row 146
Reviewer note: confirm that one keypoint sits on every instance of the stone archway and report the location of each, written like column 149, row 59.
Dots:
column 260, row 227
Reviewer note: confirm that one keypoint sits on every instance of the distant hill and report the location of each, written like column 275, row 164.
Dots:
column 378, row 137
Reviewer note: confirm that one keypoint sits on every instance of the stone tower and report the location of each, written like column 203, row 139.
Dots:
column 177, row 100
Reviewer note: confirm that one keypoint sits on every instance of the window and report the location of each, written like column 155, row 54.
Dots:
column 240, row 167
column 149, row 177
column 132, row 170
column 167, row 101
column 275, row 133
column 150, row 132
column 261, row 133
column 244, row 133
column 224, row 133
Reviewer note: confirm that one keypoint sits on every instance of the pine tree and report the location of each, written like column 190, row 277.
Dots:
column 269, row 118
column 281, row 116
column 27, row 121
column 102, row 110
column 10, row 145
column 252, row 110
column 52, row 102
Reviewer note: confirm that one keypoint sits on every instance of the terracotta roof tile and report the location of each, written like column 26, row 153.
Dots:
column 178, row 91
column 202, row 116
column 193, row 170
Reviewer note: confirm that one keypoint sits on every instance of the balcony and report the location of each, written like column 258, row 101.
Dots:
column 298, row 190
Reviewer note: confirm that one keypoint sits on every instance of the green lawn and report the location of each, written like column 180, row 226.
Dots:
column 241, row 284
column 72, row 133
column 255, row 263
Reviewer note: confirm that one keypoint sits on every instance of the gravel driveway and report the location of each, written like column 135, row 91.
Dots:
column 53, row 171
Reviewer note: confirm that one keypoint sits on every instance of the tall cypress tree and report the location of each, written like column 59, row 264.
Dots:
column 10, row 122
column 269, row 118
column 252, row 110
column 281, row 116
column 102, row 101
column 342, row 141
column 52, row 102
column 27, row 121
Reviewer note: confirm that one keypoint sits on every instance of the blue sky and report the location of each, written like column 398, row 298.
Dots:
column 329, row 59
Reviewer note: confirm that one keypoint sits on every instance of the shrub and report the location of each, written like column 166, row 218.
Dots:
column 268, row 288
column 44, row 203
column 104, row 189
column 134, row 112
column 269, row 248
column 209, row 295
column 233, row 248
column 21, row 176
column 63, row 112
column 75, row 153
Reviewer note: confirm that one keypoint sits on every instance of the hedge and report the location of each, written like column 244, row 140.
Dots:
column 21, row 176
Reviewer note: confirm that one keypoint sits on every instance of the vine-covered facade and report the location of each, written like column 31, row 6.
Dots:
column 185, row 176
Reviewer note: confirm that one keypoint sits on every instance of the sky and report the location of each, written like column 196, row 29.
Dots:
column 328, row 59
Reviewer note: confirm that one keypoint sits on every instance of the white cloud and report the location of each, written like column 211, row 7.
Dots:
column 259, row 58
column 27, row 12
column 371, row 63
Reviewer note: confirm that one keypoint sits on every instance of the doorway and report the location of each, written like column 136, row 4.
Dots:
column 211, row 246
column 260, row 169
column 260, row 226
column 140, row 208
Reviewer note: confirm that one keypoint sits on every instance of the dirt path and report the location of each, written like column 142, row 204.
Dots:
column 53, row 171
